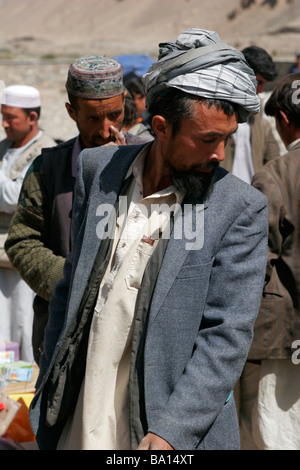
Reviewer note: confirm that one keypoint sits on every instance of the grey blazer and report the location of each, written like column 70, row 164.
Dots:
column 201, row 316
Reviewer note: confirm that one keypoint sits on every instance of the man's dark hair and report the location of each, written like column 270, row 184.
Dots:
column 285, row 98
column 27, row 111
column 175, row 104
column 130, row 111
column 73, row 100
column 261, row 62
column 135, row 86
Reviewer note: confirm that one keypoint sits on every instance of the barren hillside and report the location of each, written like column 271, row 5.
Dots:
column 56, row 28
column 39, row 38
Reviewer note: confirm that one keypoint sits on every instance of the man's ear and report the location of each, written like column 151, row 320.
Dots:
column 284, row 118
column 71, row 111
column 33, row 117
column 160, row 126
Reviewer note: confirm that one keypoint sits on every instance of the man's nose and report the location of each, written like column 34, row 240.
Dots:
column 104, row 129
column 5, row 124
column 219, row 152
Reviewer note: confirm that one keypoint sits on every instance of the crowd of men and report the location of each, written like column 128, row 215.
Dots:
column 149, row 265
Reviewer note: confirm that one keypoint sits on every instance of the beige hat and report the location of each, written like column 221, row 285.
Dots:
column 21, row 96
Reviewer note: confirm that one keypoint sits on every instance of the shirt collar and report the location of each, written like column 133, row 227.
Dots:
column 293, row 145
column 136, row 169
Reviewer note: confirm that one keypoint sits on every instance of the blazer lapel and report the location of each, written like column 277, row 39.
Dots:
column 179, row 246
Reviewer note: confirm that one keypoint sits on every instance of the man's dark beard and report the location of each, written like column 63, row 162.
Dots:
column 192, row 183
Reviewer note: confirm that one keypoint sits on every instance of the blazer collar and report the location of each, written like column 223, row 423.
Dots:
column 113, row 175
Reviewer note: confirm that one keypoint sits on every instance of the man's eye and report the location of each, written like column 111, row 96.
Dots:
column 115, row 115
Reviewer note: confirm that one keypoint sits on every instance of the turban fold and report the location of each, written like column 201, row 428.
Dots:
column 199, row 63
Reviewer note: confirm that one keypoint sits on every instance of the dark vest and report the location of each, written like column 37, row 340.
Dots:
column 59, row 184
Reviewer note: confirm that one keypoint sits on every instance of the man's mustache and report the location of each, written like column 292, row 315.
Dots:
column 205, row 166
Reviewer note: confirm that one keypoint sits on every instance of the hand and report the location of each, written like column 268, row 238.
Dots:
column 153, row 442
column 118, row 136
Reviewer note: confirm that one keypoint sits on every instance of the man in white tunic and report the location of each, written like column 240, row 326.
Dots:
column 20, row 109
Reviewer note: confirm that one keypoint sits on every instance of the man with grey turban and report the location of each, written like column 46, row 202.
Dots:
column 151, row 325
column 199, row 63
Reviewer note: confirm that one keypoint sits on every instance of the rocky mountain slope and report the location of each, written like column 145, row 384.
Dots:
column 40, row 38
column 55, row 28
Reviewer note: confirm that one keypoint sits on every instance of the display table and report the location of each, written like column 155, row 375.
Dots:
column 24, row 390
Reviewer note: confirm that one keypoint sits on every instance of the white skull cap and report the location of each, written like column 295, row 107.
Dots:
column 21, row 96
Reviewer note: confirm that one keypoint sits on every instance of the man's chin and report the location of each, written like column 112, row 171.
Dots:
column 9, row 135
column 97, row 142
column 194, row 183
column 101, row 142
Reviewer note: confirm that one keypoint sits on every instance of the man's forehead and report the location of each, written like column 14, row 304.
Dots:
column 210, row 116
column 108, row 103
column 10, row 109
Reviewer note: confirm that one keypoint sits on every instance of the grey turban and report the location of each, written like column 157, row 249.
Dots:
column 199, row 63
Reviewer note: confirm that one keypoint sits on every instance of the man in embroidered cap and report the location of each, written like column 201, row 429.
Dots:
column 96, row 94
column 39, row 235
column 150, row 326
column 20, row 109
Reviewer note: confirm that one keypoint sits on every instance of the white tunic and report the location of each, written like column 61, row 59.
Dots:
column 243, row 162
column 16, row 298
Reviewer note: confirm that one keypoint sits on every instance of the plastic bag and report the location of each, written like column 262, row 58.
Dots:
column 19, row 429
